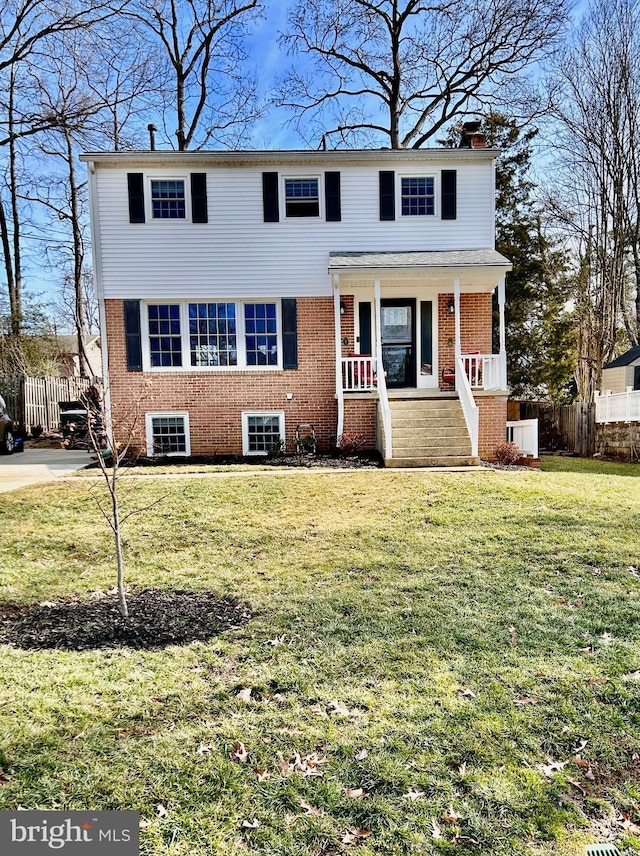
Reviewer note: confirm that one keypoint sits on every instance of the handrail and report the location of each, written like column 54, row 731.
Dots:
column 469, row 406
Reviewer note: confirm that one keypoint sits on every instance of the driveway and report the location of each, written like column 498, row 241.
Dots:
column 39, row 465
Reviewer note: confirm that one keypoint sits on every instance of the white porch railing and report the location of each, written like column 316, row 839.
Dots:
column 469, row 406
column 484, row 371
column 358, row 374
column 618, row 407
column 525, row 435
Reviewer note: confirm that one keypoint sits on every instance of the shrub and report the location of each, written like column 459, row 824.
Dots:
column 37, row 431
column 507, row 453
column 350, row 442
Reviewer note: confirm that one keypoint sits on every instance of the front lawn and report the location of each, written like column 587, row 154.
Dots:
column 437, row 663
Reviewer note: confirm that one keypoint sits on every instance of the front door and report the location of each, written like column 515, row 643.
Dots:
column 398, row 333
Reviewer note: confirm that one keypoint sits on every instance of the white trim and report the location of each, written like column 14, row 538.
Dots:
column 245, row 428
column 241, row 334
column 163, row 414
column 413, row 174
column 148, row 202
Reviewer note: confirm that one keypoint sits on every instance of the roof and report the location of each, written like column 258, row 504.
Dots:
column 341, row 261
column 626, row 359
column 289, row 156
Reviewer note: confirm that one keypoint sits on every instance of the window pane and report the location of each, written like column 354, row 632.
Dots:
column 167, row 200
column 165, row 340
column 261, row 349
column 418, row 196
column 301, row 197
column 168, row 435
column 264, row 434
column 209, row 343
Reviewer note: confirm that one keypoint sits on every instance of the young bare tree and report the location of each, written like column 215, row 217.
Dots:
column 396, row 71
column 597, row 189
column 213, row 98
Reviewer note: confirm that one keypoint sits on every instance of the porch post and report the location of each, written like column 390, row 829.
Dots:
column 456, row 303
column 503, row 337
column 338, row 338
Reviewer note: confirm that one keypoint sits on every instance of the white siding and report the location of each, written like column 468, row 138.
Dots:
column 236, row 253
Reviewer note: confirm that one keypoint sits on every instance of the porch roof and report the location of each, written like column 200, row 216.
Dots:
column 412, row 260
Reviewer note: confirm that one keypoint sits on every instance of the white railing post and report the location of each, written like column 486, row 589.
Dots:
column 338, row 337
column 456, row 306
column 627, row 417
column 503, row 335
column 383, row 398
column 607, row 405
column 469, row 406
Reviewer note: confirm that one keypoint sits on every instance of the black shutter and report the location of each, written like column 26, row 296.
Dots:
column 199, row 212
column 364, row 316
column 133, row 335
column 270, row 197
column 636, row 377
column 387, row 196
column 448, row 182
column 333, row 209
column 135, row 184
column 289, row 333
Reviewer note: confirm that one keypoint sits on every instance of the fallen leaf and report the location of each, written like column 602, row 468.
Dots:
column 465, row 692
column 514, row 637
column 629, row 826
column 309, row 809
column 355, row 793
column 203, row 750
column 565, row 729
column 251, row 824
column 632, row 676
column 262, row 775
column 584, row 791
column 353, row 836
column 526, row 700
column 436, row 832
column 239, row 753
column 596, row 682
column 161, row 810
column 462, row 768
column 467, row 839
column 450, row 816
column 581, row 745
column 414, row 794
column 607, row 637
column 143, row 824
column 551, row 767
column 245, row 694
column 361, row 755
column 580, row 762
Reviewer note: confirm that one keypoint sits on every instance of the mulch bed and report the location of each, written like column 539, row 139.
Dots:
column 157, row 618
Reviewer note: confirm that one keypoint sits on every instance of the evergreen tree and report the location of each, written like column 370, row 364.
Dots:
column 540, row 328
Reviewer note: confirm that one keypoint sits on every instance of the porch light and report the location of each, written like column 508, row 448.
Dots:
column 452, row 306
column 343, row 307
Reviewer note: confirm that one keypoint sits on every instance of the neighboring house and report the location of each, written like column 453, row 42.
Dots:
column 617, row 407
column 246, row 293
column 623, row 373
column 68, row 355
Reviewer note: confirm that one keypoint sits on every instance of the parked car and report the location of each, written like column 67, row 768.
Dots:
column 8, row 441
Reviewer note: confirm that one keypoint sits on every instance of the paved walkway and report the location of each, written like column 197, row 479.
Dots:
column 39, row 465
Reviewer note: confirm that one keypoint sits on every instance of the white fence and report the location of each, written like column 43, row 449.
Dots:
column 33, row 401
column 618, row 407
column 524, row 434
column 358, row 374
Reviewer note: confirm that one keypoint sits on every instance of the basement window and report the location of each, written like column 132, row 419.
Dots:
column 263, row 432
column 168, row 434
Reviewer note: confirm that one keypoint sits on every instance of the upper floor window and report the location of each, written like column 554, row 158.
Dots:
column 301, row 197
column 168, row 199
column 418, row 196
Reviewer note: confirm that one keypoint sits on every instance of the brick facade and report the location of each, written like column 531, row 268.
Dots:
column 215, row 400
column 492, row 424
column 475, row 329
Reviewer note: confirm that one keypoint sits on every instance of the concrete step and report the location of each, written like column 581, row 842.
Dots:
column 431, row 450
column 431, row 405
column 429, row 432
column 444, row 461
column 422, row 421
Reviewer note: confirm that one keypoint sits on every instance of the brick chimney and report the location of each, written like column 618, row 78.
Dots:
column 472, row 137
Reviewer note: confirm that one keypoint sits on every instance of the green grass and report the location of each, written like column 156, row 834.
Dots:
column 386, row 593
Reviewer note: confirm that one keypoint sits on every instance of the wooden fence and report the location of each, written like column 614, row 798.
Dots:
column 32, row 402
column 570, row 427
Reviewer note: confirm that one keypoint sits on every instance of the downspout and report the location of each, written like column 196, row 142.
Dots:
column 338, row 337
column 503, row 335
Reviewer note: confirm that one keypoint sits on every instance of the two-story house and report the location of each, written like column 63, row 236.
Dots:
column 245, row 293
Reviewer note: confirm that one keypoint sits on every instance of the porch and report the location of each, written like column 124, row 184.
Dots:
column 414, row 327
